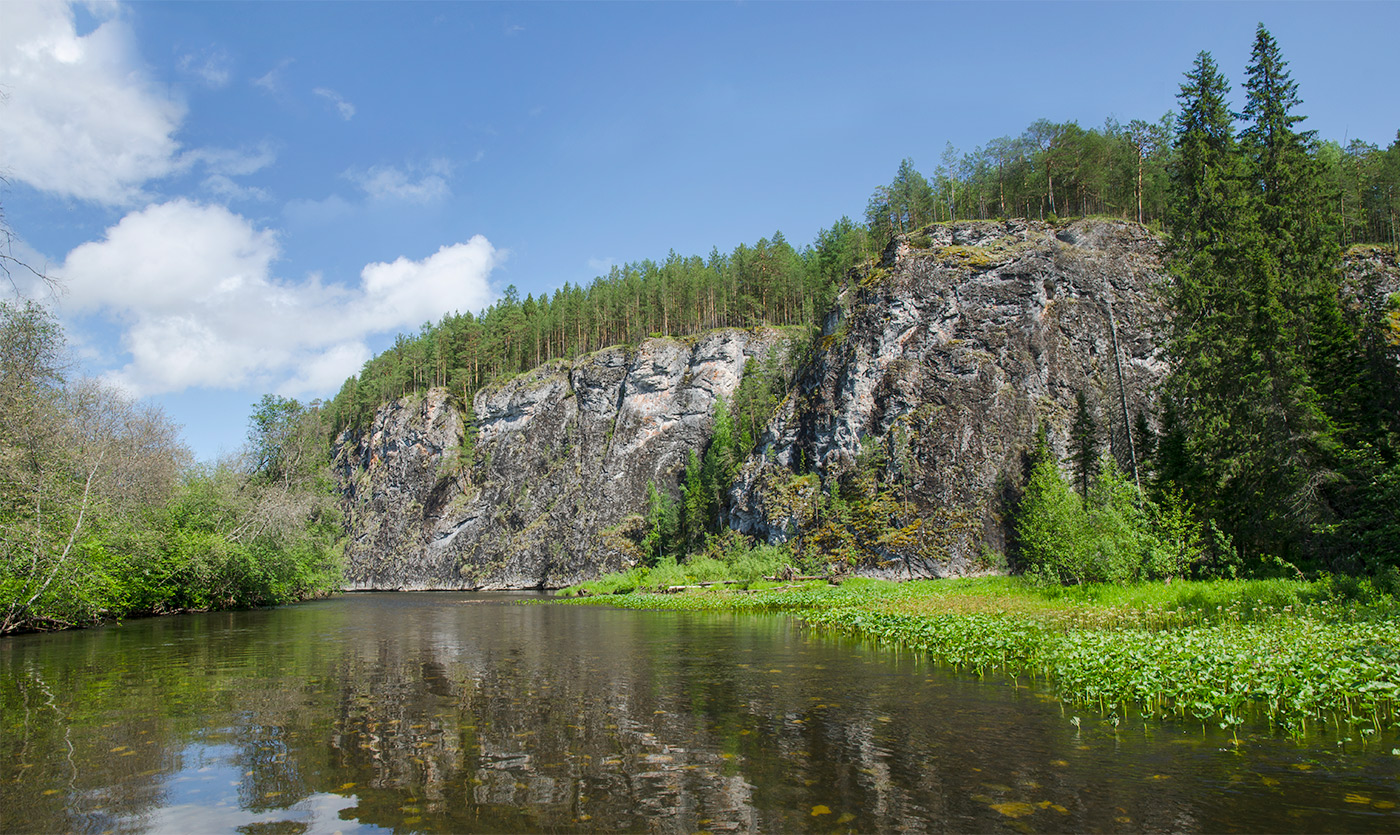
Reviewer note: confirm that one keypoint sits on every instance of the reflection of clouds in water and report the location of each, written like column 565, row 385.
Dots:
column 317, row 813
column 204, row 796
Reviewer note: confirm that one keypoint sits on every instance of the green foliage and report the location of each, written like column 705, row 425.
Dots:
column 103, row 517
column 1275, row 425
column 662, row 538
column 1221, row 652
column 1084, row 442
column 727, row 557
column 1116, row 535
column 1051, row 525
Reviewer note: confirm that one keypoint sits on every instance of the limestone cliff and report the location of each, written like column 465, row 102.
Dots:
column 562, row 457
column 949, row 354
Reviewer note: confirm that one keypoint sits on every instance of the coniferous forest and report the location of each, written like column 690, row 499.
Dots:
column 1279, row 423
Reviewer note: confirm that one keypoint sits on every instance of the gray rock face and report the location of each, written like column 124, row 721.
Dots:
column 562, row 460
column 950, row 354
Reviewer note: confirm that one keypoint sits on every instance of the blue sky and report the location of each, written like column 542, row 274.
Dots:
column 241, row 198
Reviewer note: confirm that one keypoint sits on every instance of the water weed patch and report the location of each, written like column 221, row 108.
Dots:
column 1289, row 653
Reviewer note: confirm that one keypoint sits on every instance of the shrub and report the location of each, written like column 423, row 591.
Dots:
column 1051, row 525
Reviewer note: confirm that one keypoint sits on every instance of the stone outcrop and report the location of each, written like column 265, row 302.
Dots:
column 950, row 354
column 558, row 470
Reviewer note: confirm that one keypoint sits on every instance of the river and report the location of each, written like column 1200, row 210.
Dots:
column 445, row 712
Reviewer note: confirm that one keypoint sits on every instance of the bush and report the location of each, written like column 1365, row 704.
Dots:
column 1117, row 536
column 1051, row 525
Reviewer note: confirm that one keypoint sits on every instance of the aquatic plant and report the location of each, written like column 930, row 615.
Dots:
column 1292, row 654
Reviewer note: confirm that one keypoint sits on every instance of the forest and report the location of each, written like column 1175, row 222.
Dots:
column 1050, row 171
column 1279, row 439
column 103, row 513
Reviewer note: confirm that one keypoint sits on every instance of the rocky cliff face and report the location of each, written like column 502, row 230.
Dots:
column 949, row 355
column 560, row 465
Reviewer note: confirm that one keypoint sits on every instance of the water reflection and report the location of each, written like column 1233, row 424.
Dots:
column 468, row 713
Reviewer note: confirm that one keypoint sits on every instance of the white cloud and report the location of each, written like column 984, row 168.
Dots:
column 386, row 182
column 233, row 162
column 166, row 255
column 407, row 293
column 210, row 66
column 221, row 185
column 302, row 211
column 192, row 287
column 272, row 80
column 343, row 107
column 324, row 373
column 81, row 120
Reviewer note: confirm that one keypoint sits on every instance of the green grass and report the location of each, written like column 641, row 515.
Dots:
column 749, row 567
column 1295, row 654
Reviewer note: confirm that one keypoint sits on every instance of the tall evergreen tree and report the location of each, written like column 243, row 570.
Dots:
column 1219, row 376
column 1085, row 446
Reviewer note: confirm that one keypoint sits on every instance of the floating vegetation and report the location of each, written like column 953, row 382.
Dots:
column 1292, row 654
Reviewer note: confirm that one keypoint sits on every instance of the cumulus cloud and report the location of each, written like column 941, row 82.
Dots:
column 420, row 184
column 193, row 289
column 406, row 293
column 343, row 107
column 81, row 120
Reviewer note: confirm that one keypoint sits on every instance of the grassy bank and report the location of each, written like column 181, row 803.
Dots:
column 1299, row 655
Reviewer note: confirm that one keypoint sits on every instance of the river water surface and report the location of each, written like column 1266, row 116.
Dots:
column 476, row 713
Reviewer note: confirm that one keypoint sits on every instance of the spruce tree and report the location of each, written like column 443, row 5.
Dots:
column 1208, row 219
column 1085, row 443
column 1225, row 330
column 1294, row 303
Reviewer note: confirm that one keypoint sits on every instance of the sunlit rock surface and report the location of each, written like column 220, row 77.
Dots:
column 563, row 457
column 949, row 354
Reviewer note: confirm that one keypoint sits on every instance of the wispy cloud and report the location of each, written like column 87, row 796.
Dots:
column 419, row 184
column 343, row 107
column 211, row 66
column 271, row 81
column 223, row 186
column 233, row 162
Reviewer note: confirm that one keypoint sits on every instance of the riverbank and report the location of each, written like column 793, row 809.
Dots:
column 1301, row 656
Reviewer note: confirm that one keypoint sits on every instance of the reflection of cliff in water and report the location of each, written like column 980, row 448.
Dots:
column 448, row 712
column 607, row 720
